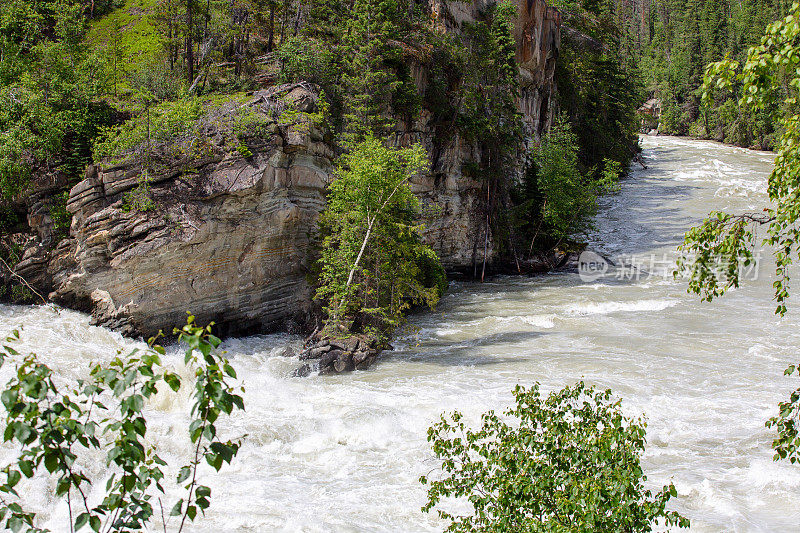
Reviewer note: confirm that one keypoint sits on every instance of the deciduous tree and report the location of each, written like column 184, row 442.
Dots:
column 566, row 462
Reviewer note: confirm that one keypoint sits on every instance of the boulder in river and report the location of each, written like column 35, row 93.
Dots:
column 302, row 372
column 288, row 351
column 338, row 355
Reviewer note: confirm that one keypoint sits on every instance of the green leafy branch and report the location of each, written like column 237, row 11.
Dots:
column 56, row 426
column 213, row 396
column 715, row 252
column 567, row 462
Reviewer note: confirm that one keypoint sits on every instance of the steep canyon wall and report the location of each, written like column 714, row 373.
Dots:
column 231, row 239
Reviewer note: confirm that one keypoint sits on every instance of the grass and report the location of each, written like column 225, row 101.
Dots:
column 139, row 40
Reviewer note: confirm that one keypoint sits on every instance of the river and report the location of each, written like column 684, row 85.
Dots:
column 344, row 453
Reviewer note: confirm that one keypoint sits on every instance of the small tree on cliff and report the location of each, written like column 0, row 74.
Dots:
column 555, row 193
column 374, row 264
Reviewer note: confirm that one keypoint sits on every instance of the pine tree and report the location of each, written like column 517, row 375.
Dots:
column 372, row 40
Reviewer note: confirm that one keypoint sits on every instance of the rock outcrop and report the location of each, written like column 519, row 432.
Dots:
column 232, row 234
column 229, row 240
column 455, row 202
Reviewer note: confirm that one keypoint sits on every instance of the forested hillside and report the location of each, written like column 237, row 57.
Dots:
column 672, row 41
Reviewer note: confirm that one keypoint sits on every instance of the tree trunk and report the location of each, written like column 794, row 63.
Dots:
column 360, row 252
column 189, row 43
column 271, row 39
column 171, row 45
column 297, row 20
column 284, row 20
column 486, row 232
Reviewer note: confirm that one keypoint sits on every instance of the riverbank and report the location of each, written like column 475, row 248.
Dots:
column 722, row 143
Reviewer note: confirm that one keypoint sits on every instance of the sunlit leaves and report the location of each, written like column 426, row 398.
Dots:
column 730, row 237
column 567, row 462
column 214, row 395
column 372, row 256
column 716, row 251
column 787, row 423
column 569, row 199
column 55, row 426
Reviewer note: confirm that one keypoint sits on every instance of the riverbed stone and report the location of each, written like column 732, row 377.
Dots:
column 344, row 363
column 330, row 358
column 288, row 352
column 302, row 372
column 315, row 353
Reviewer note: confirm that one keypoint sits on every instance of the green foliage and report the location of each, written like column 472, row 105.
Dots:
column 729, row 239
column 611, row 171
column 670, row 122
column 10, row 255
column 715, row 251
column 304, row 59
column 483, row 111
column 567, row 462
column 723, row 237
column 555, row 200
column 375, row 79
column 62, row 219
column 9, row 218
column 787, row 422
column 302, row 120
column 166, row 123
column 128, row 37
column 675, row 39
column 599, row 88
column 568, row 202
column 139, row 198
column 55, row 425
column 373, row 263
column 156, row 80
column 487, row 113
column 48, row 85
column 314, row 61
column 244, row 151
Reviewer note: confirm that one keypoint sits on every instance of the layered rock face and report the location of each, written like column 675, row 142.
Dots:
column 455, row 203
column 228, row 241
column 538, row 38
column 231, row 239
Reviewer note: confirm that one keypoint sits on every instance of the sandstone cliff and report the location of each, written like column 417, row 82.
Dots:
column 231, row 239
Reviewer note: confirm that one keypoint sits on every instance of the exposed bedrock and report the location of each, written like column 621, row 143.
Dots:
column 232, row 234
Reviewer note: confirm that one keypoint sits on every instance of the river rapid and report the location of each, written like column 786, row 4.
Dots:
column 343, row 453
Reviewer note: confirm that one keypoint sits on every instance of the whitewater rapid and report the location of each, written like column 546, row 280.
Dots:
column 343, row 453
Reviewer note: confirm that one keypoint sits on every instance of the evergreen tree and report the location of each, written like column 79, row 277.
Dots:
column 371, row 49
column 681, row 37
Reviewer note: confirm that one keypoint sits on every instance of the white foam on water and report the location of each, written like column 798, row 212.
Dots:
column 541, row 321
column 604, row 308
column 343, row 453
column 448, row 332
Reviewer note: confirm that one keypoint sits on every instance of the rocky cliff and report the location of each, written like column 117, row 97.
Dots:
column 231, row 234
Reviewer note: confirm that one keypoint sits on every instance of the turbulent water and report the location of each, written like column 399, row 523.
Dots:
column 344, row 453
